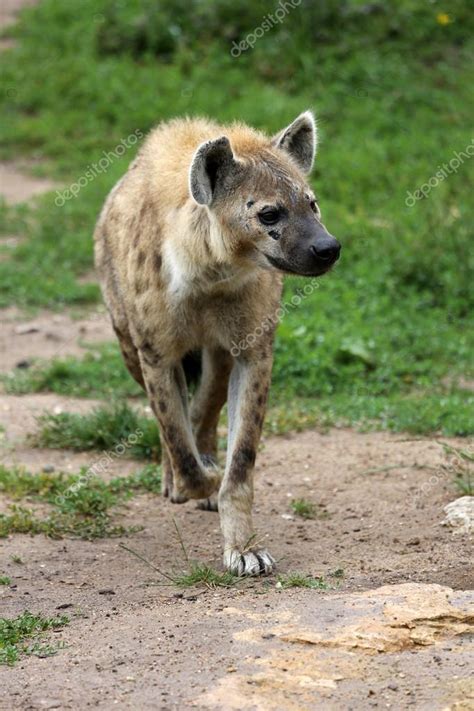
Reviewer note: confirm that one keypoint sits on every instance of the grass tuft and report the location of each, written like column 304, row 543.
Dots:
column 461, row 466
column 100, row 372
column 303, row 508
column 300, row 580
column 14, row 633
column 116, row 428
column 204, row 575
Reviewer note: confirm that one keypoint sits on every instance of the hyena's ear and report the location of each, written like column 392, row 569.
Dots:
column 299, row 139
column 212, row 163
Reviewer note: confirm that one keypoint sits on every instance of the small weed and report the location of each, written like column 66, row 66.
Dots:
column 106, row 428
column 200, row 574
column 337, row 573
column 14, row 633
column 16, row 559
column 304, row 508
column 5, row 580
column 299, row 580
column 461, row 466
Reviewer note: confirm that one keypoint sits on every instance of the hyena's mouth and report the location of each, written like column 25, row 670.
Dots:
column 283, row 266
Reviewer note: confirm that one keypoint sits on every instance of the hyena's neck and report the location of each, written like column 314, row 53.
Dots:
column 197, row 258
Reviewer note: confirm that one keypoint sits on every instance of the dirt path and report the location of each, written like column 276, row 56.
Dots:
column 134, row 644
column 17, row 185
column 49, row 335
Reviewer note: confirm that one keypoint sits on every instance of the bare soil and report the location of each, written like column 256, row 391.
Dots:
column 46, row 335
column 137, row 642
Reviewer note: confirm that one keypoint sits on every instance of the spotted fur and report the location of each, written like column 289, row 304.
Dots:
column 186, row 263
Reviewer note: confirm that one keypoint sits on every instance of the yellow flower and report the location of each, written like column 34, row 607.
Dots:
column 442, row 18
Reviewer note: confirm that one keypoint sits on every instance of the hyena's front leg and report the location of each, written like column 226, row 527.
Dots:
column 248, row 390
column 166, row 388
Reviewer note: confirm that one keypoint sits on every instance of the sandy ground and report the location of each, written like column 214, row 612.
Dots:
column 17, row 185
column 395, row 631
column 47, row 335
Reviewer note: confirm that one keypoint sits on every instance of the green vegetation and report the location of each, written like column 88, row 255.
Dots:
column 200, row 574
column 80, row 504
column 300, row 580
column 100, row 373
column 14, row 633
column 461, row 466
column 116, row 428
column 5, row 580
column 197, row 574
column 303, row 508
column 384, row 340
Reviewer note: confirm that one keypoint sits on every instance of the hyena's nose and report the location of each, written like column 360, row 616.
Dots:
column 326, row 249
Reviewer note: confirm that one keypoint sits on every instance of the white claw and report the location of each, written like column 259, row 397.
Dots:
column 267, row 561
column 258, row 562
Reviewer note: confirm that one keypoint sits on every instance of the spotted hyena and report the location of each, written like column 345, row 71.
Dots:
column 191, row 248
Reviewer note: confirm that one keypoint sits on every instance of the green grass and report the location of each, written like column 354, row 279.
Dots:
column 116, row 428
column 303, row 508
column 461, row 467
column 300, row 580
column 384, row 340
column 100, row 373
column 25, row 634
column 196, row 574
column 80, row 505
column 201, row 575
column 5, row 580
column 427, row 409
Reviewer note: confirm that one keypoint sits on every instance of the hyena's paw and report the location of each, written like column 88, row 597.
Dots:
column 256, row 562
column 209, row 504
column 177, row 498
column 204, row 488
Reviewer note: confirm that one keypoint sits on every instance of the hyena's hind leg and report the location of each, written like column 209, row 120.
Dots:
column 129, row 353
column 206, row 406
column 132, row 361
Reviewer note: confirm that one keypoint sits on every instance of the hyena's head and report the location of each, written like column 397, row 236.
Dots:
column 257, row 194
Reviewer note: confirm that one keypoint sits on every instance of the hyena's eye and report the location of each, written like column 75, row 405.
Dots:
column 270, row 216
column 313, row 205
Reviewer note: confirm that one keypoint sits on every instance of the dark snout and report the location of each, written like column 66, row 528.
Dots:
column 311, row 252
column 325, row 250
